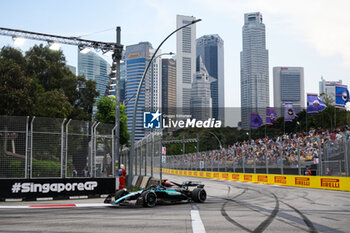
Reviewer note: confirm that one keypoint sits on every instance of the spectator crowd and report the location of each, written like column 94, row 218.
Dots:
column 273, row 151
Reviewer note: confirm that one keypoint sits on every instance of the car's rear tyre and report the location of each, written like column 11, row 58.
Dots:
column 149, row 198
column 199, row 195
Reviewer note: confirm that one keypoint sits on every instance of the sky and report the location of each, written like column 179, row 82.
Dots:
column 314, row 34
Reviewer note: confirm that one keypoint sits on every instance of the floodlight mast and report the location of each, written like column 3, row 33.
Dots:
column 116, row 48
column 81, row 43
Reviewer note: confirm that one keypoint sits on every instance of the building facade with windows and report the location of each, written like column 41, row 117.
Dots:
column 185, row 62
column 288, row 86
column 169, row 86
column 136, row 59
column 327, row 89
column 254, row 69
column 201, row 101
column 94, row 67
column 211, row 49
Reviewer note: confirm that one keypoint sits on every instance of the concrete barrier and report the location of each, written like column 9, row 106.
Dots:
column 139, row 181
column 134, row 180
column 144, row 182
column 319, row 182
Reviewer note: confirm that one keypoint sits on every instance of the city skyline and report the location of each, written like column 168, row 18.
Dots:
column 313, row 38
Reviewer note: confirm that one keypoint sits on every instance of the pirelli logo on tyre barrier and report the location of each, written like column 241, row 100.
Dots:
column 319, row 182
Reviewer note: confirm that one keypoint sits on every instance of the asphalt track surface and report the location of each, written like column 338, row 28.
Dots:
column 230, row 207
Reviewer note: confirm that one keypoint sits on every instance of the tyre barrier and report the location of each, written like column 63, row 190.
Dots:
column 318, row 182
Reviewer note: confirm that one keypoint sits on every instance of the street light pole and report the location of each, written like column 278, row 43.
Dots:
column 132, row 148
column 216, row 137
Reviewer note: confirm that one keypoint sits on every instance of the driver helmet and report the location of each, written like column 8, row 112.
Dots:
column 166, row 183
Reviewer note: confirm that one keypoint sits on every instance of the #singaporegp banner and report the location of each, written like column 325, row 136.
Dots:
column 319, row 182
column 36, row 188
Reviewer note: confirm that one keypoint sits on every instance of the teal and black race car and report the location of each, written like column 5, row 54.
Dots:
column 166, row 192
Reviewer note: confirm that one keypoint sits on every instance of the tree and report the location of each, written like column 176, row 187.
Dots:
column 53, row 104
column 106, row 114
column 16, row 88
column 25, row 82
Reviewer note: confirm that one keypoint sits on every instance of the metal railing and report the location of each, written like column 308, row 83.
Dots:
column 290, row 156
column 40, row 147
column 55, row 148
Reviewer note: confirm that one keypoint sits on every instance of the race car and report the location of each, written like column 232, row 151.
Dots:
column 166, row 192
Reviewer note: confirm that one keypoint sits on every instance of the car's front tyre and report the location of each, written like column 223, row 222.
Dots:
column 149, row 198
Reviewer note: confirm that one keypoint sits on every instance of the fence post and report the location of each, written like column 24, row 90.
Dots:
column 26, row 169
column 138, row 155
column 144, row 157
column 233, row 161
column 320, row 156
column 31, row 148
column 266, row 160
column 91, row 146
column 225, row 162
column 160, row 157
column 299, row 168
column 346, row 155
column 150, row 148
column 152, row 155
column 93, row 160
column 243, row 158
column 183, row 151
column 64, row 164
column 113, row 153
column 254, row 157
column 281, row 155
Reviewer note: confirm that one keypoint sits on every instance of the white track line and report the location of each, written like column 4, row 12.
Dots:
column 55, row 206
column 13, row 207
column 197, row 224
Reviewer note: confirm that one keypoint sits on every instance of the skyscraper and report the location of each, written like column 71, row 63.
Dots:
column 94, row 67
column 211, row 49
column 201, row 101
column 168, row 86
column 136, row 59
column 288, row 86
column 254, row 69
column 156, row 83
column 185, row 62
